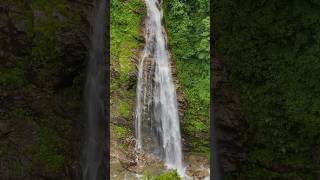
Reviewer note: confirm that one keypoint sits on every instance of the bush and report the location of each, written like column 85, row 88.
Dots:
column 269, row 48
column 170, row 175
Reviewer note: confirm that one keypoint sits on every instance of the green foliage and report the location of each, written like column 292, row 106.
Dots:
column 46, row 151
column 271, row 49
column 124, row 109
column 125, row 25
column 188, row 26
column 121, row 132
column 170, row 175
column 125, row 43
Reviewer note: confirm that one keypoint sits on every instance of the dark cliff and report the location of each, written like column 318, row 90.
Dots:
column 229, row 120
column 43, row 54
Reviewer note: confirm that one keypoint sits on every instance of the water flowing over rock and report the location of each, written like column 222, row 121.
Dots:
column 157, row 122
column 93, row 160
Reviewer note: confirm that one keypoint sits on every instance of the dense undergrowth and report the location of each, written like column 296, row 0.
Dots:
column 271, row 49
column 188, row 26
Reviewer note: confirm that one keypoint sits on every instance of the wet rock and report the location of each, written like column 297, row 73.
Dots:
column 59, row 16
column 132, row 80
column 230, row 120
column 197, row 165
column 316, row 159
column 38, row 99
column 122, row 121
column 39, row 15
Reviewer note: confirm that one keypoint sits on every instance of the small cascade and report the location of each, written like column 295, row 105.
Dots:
column 93, row 161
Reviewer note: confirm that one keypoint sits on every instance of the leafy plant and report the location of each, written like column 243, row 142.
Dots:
column 269, row 48
column 170, row 175
column 188, row 26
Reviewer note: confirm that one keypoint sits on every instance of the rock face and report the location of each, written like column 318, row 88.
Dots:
column 43, row 53
column 229, row 118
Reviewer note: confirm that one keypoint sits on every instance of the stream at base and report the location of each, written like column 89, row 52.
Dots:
column 197, row 168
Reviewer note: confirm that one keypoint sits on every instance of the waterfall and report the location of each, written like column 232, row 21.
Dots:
column 93, row 161
column 156, row 118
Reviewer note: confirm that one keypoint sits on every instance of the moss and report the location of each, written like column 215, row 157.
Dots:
column 125, row 26
column 125, row 22
column 46, row 151
column 121, row 132
column 12, row 77
column 125, row 54
column 124, row 109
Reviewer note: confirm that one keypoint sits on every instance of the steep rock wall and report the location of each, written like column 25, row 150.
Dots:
column 43, row 57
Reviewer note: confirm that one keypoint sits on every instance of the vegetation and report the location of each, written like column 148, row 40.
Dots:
column 271, row 49
column 125, row 44
column 170, row 175
column 188, row 26
column 41, row 79
column 45, row 48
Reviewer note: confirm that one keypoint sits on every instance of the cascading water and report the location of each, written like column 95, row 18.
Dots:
column 93, row 161
column 157, row 121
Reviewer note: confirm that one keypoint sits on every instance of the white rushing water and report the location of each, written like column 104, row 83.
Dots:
column 93, row 160
column 156, row 107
